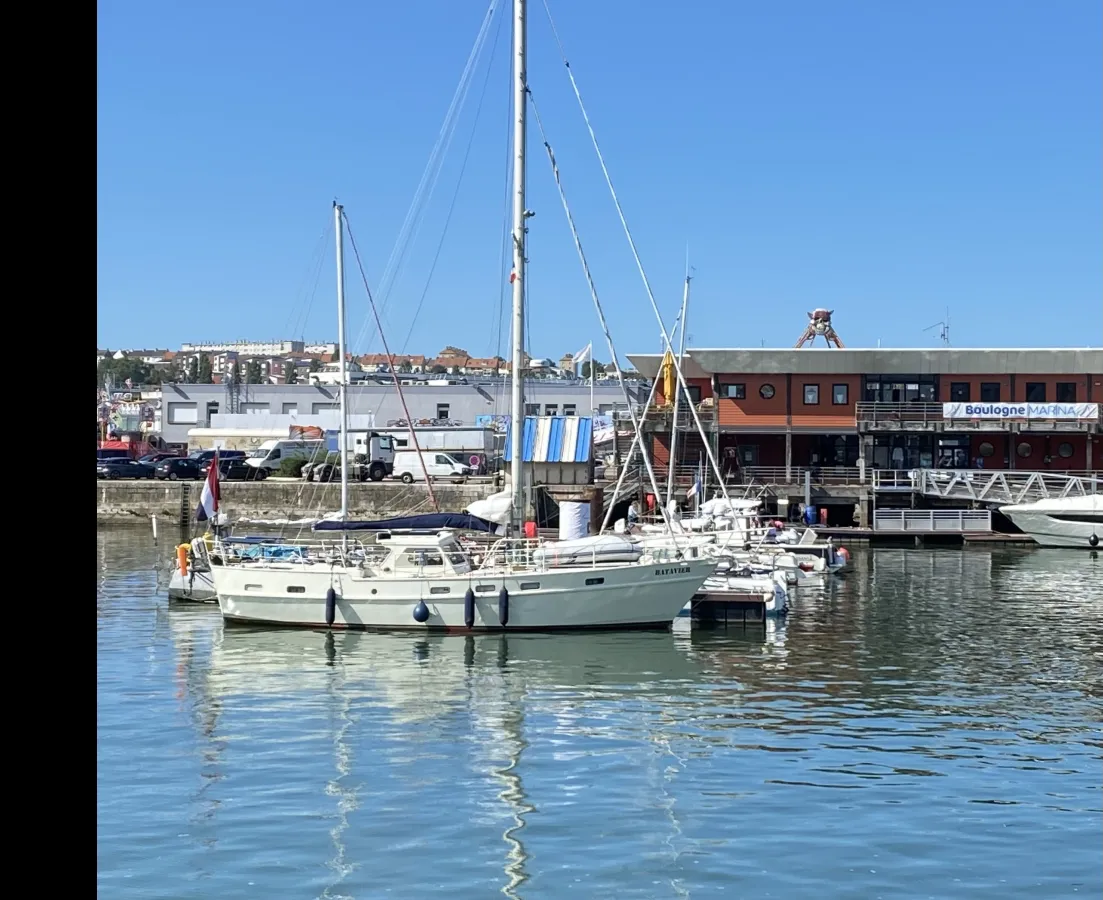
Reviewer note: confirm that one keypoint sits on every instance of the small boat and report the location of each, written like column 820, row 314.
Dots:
column 1061, row 521
column 771, row 590
column 191, row 580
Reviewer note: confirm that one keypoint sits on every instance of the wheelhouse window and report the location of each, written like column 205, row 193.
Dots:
column 442, row 410
column 811, row 395
column 420, row 557
column 570, row 409
column 959, row 391
column 551, row 409
column 766, row 392
column 840, row 394
column 1066, row 391
column 1035, row 392
column 989, row 392
column 734, row 391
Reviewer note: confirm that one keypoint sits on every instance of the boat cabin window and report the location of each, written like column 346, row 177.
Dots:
column 420, row 557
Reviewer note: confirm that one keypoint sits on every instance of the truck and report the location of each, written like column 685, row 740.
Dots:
column 372, row 458
column 471, row 446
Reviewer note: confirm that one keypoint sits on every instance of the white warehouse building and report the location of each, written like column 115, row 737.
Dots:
column 187, row 406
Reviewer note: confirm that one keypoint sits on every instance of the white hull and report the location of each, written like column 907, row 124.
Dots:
column 1050, row 532
column 608, row 597
column 197, row 587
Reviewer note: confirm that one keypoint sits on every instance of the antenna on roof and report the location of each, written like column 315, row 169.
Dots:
column 943, row 329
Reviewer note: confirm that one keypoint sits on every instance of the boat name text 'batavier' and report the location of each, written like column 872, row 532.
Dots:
column 675, row 571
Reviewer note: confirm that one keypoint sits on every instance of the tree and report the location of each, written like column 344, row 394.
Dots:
column 315, row 365
column 205, row 373
column 405, row 366
column 597, row 367
column 292, row 376
column 170, row 374
column 119, row 370
column 253, row 373
column 192, row 376
column 438, row 369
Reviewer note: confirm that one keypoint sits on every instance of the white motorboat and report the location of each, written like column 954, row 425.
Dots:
column 1061, row 521
column 427, row 582
column 772, row 588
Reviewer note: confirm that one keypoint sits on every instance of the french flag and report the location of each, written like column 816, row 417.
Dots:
column 208, row 500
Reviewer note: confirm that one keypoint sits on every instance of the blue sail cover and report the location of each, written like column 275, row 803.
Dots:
column 427, row 522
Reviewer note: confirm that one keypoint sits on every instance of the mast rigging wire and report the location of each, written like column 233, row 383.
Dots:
column 411, row 225
column 668, row 345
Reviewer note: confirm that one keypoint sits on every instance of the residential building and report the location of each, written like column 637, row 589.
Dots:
column 894, row 409
column 250, row 348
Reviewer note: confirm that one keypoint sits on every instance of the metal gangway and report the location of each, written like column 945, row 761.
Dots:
column 1004, row 487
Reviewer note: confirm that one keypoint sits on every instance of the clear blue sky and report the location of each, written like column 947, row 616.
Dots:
column 885, row 160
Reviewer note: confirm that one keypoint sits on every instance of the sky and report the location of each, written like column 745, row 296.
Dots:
column 898, row 163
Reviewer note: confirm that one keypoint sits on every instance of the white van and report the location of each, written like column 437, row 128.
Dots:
column 270, row 454
column 439, row 465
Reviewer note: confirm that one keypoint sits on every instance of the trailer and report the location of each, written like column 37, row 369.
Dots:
column 471, row 446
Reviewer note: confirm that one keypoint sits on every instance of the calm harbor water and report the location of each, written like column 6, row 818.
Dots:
column 929, row 726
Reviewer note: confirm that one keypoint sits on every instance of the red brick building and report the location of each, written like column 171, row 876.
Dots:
column 894, row 409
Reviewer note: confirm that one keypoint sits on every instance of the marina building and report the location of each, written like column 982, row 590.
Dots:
column 790, row 409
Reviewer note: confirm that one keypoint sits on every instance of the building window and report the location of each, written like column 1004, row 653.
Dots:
column 316, row 408
column 1066, row 391
column 766, row 392
column 1024, row 449
column 569, row 409
column 959, row 391
column 734, row 391
column 1065, row 450
column 182, row 414
column 289, row 409
column 989, row 392
column 442, row 410
column 811, row 394
column 532, row 409
column 551, row 409
column 1035, row 392
column 840, row 394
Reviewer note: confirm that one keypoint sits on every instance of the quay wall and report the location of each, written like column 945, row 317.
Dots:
column 172, row 502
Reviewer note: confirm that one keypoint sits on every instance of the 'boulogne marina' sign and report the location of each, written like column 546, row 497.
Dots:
column 1067, row 411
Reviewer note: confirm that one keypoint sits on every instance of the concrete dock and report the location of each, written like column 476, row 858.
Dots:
column 276, row 499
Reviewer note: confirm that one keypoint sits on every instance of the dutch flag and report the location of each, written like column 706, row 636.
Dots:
column 208, row 500
column 698, row 483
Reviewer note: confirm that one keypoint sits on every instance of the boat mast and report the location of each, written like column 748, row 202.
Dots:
column 342, row 388
column 677, row 393
column 520, row 214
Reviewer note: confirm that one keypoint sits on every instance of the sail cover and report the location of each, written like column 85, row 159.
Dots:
column 427, row 522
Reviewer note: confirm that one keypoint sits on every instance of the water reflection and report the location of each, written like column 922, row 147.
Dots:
column 927, row 717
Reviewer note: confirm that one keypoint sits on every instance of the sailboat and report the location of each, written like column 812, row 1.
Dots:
column 427, row 581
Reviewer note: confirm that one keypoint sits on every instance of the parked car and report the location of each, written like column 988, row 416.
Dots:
column 123, row 468
column 234, row 470
column 154, row 458
column 202, row 456
column 177, row 468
